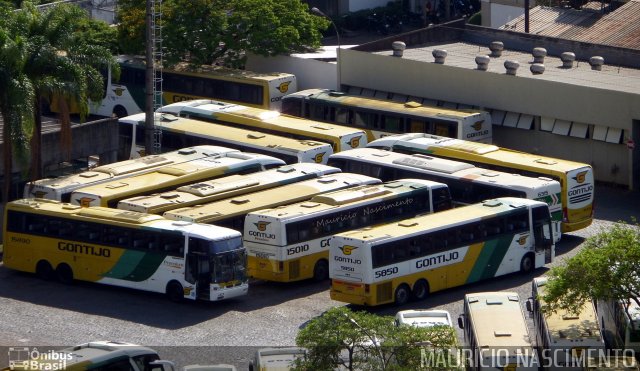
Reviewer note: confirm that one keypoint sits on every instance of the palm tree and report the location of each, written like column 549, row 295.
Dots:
column 61, row 63
column 16, row 93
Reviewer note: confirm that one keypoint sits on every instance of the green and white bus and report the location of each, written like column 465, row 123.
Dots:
column 396, row 261
column 468, row 184
column 225, row 187
column 124, row 248
column 296, row 237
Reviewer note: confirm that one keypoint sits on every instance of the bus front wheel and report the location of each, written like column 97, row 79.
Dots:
column 420, row 290
column 65, row 274
column 119, row 111
column 44, row 270
column 321, row 271
column 527, row 264
column 175, row 292
column 403, row 293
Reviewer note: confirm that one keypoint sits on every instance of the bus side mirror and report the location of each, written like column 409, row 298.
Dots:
column 528, row 305
column 460, row 322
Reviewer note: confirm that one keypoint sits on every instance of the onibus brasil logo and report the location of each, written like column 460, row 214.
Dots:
column 23, row 358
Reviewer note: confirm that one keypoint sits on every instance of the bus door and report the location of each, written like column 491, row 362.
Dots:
column 543, row 233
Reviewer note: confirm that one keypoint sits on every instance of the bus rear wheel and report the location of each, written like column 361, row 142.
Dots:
column 65, row 274
column 321, row 271
column 420, row 290
column 403, row 293
column 119, row 111
column 44, row 270
column 527, row 264
column 175, row 292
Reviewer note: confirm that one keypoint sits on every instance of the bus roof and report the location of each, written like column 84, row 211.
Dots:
column 236, row 135
column 121, row 169
column 290, row 193
column 383, row 232
column 447, row 168
column 423, row 317
column 462, row 149
column 404, row 108
column 211, row 109
column 498, row 319
column 225, row 187
column 117, row 217
column 353, row 195
column 569, row 328
column 217, row 71
column 186, row 172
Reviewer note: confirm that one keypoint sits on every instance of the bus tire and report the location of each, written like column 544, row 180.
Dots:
column 403, row 293
column 175, row 292
column 527, row 264
column 420, row 289
column 321, row 271
column 64, row 274
column 251, row 366
column 44, row 270
column 119, row 111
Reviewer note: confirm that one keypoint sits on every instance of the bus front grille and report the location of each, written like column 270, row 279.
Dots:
column 294, row 269
column 383, row 292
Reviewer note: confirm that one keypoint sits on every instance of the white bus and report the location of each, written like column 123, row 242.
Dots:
column 276, row 359
column 423, row 318
column 291, row 243
column 179, row 132
column 468, row 184
column 496, row 333
column 60, row 188
column 565, row 340
column 620, row 323
column 170, row 177
column 414, row 257
column 226, row 187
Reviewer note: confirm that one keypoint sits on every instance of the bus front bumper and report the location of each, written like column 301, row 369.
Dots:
column 219, row 292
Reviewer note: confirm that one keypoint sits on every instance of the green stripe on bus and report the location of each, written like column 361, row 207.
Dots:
column 135, row 266
column 146, row 268
column 128, row 261
column 490, row 258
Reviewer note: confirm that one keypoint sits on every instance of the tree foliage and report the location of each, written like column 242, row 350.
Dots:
column 364, row 341
column 606, row 268
column 222, row 31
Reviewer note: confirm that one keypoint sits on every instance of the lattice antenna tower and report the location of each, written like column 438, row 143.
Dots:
column 157, row 51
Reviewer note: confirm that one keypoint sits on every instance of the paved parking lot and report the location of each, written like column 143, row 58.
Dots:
column 40, row 313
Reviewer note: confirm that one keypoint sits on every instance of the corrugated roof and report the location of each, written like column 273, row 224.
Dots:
column 620, row 28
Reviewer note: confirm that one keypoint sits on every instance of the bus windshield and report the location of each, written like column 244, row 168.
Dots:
column 229, row 266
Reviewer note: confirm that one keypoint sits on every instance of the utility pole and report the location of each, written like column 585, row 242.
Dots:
column 149, row 122
column 153, row 77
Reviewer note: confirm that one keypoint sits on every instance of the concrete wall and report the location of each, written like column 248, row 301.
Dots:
column 309, row 73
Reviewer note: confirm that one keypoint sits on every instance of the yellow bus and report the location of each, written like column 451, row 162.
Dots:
column 297, row 236
column 126, row 96
column 575, row 178
column 269, row 121
column 393, row 262
column 381, row 117
column 173, row 176
column 60, row 188
column 566, row 341
column 179, row 132
column 225, row 187
column 496, row 333
column 231, row 212
column 124, row 248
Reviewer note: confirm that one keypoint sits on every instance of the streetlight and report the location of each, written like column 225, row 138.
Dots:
column 371, row 337
column 319, row 12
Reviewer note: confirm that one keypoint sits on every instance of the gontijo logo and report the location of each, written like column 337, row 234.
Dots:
column 354, row 142
column 85, row 201
column 318, row 158
column 580, row 177
column 522, row 240
column 284, row 87
column 118, row 91
column 347, row 249
column 262, row 226
column 477, row 126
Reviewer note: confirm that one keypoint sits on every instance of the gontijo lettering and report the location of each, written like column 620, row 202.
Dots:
column 84, row 249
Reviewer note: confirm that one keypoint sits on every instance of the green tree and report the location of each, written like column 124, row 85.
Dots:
column 364, row 341
column 607, row 267
column 16, row 95
column 61, row 61
column 222, row 31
